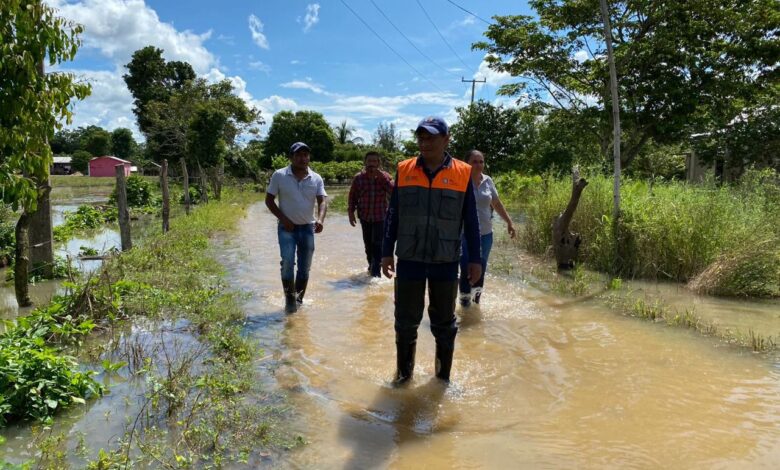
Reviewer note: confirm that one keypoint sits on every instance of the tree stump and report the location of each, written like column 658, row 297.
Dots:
column 565, row 243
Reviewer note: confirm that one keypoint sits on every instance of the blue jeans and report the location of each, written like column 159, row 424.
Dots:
column 302, row 240
column 486, row 242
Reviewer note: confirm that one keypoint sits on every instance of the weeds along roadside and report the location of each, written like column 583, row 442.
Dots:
column 195, row 406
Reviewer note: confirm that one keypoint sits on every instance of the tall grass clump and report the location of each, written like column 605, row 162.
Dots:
column 669, row 230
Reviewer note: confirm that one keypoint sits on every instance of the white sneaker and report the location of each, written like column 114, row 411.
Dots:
column 477, row 294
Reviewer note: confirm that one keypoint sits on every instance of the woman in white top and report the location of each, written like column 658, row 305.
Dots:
column 487, row 200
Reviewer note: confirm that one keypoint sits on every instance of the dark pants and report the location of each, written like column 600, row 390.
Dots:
column 372, row 240
column 410, row 281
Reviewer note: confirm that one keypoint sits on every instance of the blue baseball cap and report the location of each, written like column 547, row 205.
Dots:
column 298, row 146
column 434, row 125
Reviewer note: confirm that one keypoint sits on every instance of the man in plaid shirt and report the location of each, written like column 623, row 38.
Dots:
column 369, row 194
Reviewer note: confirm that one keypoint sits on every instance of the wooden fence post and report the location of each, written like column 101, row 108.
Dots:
column 166, row 200
column 185, row 182
column 121, row 205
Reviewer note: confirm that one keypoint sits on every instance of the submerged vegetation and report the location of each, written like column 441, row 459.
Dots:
column 196, row 383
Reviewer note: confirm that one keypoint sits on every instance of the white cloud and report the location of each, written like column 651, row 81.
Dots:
column 258, row 65
column 117, row 28
column 581, row 55
column 305, row 85
column 256, row 28
column 109, row 106
column 312, row 16
column 295, row 62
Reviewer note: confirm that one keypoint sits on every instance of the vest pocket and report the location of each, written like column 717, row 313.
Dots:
column 448, row 206
column 447, row 248
column 407, row 241
column 408, row 197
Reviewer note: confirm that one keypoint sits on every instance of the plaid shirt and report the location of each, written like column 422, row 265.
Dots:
column 370, row 195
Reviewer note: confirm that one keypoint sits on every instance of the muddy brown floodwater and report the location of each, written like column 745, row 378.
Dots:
column 534, row 384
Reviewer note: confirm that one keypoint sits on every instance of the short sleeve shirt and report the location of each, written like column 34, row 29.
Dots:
column 297, row 199
column 484, row 194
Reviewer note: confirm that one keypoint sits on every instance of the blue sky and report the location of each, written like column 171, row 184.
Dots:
column 296, row 55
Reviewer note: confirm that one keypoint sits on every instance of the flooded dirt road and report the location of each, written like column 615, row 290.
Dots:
column 534, row 384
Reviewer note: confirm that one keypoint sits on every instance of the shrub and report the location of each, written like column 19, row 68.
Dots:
column 139, row 192
column 752, row 271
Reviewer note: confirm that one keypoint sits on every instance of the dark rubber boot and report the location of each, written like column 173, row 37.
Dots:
column 444, row 362
column 290, row 305
column 405, row 352
column 300, row 289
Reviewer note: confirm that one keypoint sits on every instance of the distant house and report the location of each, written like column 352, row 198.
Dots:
column 62, row 165
column 104, row 166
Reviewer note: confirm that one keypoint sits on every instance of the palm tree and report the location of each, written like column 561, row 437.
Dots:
column 344, row 132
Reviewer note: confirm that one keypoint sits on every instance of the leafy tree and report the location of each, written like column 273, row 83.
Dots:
column 303, row 126
column 80, row 161
column 344, row 133
column 682, row 66
column 123, row 144
column 96, row 141
column 501, row 133
column 33, row 104
column 386, row 137
column 151, row 79
column 66, row 141
column 410, row 148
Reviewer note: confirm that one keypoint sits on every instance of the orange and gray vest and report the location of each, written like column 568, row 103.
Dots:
column 430, row 213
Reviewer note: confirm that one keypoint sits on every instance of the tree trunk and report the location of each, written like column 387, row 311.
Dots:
column 185, row 183
column 166, row 200
column 204, row 189
column 616, row 139
column 122, row 209
column 22, row 260
column 40, row 233
column 566, row 244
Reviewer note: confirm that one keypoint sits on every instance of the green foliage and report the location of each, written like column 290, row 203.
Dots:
column 500, row 133
column 682, row 61
column 37, row 380
column 349, row 152
column 139, row 192
column 660, row 162
column 86, row 217
column 32, row 104
column 80, row 161
column 123, row 144
column 669, row 230
column 96, row 141
column 344, row 133
column 516, row 187
column 337, row 172
column 302, row 126
column 280, row 161
column 387, row 137
column 7, row 233
column 151, row 79
column 749, row 271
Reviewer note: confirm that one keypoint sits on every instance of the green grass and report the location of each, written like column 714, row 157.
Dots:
column 669, row 230
column 201, row 390
column 70, row 181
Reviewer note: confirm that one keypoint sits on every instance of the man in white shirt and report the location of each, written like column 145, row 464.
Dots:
column 297, row 188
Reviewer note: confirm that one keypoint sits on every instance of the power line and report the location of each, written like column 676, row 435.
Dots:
column 391, row 47
column 470, row 13
column 409, row 40
column 441, row 35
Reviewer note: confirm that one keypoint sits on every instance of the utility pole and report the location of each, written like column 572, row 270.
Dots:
column 473, row 83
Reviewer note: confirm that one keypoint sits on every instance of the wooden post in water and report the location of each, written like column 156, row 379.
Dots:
column 121, row 205
column 166, row 200
column 185, row 183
